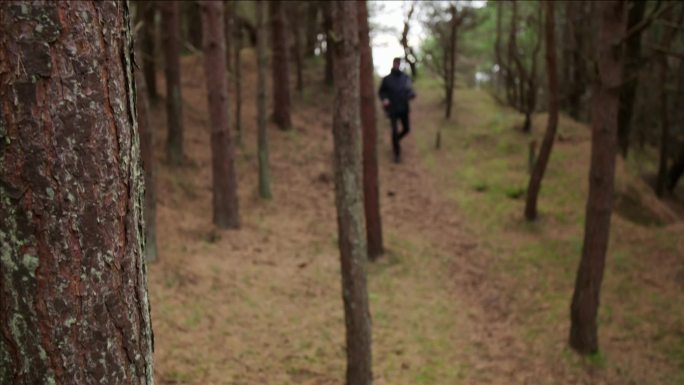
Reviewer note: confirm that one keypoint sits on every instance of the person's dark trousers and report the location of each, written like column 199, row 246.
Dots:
column 398, row 135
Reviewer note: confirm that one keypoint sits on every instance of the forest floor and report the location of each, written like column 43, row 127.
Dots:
column 467, row 293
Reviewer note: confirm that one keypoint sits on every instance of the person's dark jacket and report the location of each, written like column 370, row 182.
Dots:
column 397, row 88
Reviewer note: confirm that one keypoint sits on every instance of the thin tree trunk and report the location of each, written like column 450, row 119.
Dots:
column 149, row 167
column 531, row 78
column 665, row 43
column 281, row 67
column 450, row 78
column 238, row 86
column 230, row 22
column 262, row 134
column 73, row 289
column 497, row 48
column 174, row 105
column 579, row 72
column 512, row 48
column 585, row 300
column 327, row 27
column 297, row 36
column 545, row 152
column 661, row 180
column 349, row 195
column 632, row 64
column 676, row 171
column 225, row 197
column 370, row 138
column 677, row 168
column 311, row 27
column 567, row 42
column 147, row 41
column 193, row 23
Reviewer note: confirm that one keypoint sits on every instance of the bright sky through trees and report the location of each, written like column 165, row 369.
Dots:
column 387, row 20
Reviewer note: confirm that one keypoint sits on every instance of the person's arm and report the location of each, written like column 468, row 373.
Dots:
column 383, row 94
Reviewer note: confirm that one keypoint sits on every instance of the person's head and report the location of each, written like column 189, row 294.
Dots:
column 396, row 63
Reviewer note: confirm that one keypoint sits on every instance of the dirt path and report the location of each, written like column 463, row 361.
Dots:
column 484, row 341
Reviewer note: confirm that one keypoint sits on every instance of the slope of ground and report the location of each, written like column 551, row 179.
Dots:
column 465, row 295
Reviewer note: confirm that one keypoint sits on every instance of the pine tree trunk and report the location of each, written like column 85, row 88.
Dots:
column 370, row 138
column 311, row 28
column 281, row 67
column 262, row 133
column 676, row 171
column 174, row 107
column 661, row 180
column 665, row 43
column 327, row 27
column 225, row 197
column 579, row 73
column 567, row 43
column 72, row 276
column 149, row 56
column 451, row 74
column 349, row 195
column 545, row 152
column 585, row 301
column 297, row 50
column 193, row 23
column 238, row 85
column 631, row 66
column 497, row 49
column 149, row 167
column 230, row 22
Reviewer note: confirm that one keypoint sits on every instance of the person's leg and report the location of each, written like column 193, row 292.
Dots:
column 395, row 137
column 405, row 125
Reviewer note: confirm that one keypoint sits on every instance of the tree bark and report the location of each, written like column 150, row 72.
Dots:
column 281, row 67
column 225, row 197
column 585, row 301
column 230, row 26
column 661, row 179
column 578, row 80
column 238, row 84
column 497, row 49
column 631, row 66
column 676, row 171
column 296, row 47
column 193, row 23
column 262, row 133
column 311, row 28
column 665, row 43
column 531, row 78
column 349, row 194
column 147, row 137
column 174, row 107
column 547, row 145
column 72, row 276
column 149, row 56
column 512, row 48
column 370, row 138
column 327, row 27
column 451, row 71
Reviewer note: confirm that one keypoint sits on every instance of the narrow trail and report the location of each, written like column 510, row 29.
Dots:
column 263, row 304
column 485, row 341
